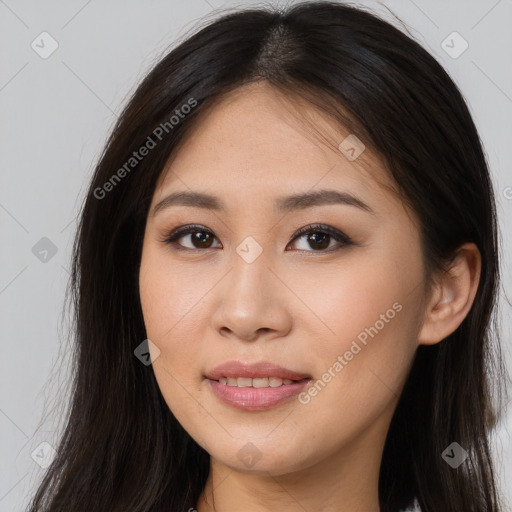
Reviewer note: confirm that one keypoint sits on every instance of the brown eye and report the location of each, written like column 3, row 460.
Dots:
column 319, row 237
column 198, row 238
column 318, row 240
column 201, row 239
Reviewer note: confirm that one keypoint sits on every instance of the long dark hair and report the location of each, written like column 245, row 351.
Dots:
column 122, row 449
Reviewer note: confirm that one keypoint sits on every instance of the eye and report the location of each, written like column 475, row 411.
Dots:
column 320, row 236
column 317, row 236
column 198, row 236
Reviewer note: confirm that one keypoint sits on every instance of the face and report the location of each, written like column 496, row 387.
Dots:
column 284, row 329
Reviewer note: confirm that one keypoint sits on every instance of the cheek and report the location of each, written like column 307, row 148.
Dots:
column 169, row 315
column 371, row 311
column 347, row 300
column 171, row 301
column 171, row 295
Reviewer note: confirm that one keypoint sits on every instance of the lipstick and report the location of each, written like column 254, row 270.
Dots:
column 255, row 386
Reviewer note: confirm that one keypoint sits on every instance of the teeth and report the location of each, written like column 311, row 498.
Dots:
column 244, row 382
column 260, row 382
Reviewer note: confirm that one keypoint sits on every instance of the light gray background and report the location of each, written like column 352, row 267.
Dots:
column 55, row 116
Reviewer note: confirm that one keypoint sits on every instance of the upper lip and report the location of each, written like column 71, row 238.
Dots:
column 253, row 371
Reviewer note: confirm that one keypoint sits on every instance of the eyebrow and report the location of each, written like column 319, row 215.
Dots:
column 283, row 204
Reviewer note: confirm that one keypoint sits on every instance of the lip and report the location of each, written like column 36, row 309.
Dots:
column 255, row 399
column 254, row 370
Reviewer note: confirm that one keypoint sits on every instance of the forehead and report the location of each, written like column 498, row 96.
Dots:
column 258, row 142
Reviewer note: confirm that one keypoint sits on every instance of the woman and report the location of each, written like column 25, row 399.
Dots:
column 284, row 279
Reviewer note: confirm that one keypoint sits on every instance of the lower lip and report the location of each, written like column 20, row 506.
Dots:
column 256, row 399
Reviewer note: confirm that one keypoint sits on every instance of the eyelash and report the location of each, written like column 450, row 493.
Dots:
column 324, row 229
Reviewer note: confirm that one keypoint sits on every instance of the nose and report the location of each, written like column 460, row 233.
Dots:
column 251, row 302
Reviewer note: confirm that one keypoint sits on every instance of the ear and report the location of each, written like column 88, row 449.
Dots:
column 452, row 296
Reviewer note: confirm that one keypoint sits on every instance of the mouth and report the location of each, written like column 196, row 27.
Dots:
column 256, row 386
column 253, row 371
column 258, row 382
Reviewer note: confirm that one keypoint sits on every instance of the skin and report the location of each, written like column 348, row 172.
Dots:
column 295, row 305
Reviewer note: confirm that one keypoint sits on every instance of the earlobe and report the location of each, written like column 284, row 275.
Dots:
column 452, row 296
